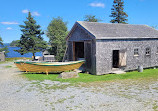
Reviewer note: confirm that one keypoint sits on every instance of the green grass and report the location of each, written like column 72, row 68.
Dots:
column 12, row 59
column 16, row 58
column 8, row 66
column 148, row 73
column 155, row 107
column 1, row 62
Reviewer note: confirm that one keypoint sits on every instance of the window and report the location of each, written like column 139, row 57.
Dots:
column 136, row 53
column 157, row 51
column 148, row 51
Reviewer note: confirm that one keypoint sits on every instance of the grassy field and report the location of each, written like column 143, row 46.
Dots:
column 16, row 58
column 13, row 59
column 148, row 73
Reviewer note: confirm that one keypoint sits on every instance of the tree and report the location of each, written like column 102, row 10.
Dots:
column 1, row 41
column 31, row 39
column 117, row 12
column 57, row 32
column 3, row 48
column 91, row 18
column 14, row 43
column 155, row 27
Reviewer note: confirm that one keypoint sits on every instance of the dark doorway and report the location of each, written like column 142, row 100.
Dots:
column 78, row 50
column 115, row 59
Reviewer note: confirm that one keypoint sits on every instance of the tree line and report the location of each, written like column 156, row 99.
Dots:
column 31, row 39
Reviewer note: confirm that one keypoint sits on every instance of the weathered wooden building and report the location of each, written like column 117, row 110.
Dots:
column 107, row 46
column 2, row 56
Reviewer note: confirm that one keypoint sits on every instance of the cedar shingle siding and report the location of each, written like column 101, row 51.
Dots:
column 2, row 56
column 101, row 39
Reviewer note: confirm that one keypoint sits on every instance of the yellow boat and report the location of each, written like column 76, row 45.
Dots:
column 48, row 67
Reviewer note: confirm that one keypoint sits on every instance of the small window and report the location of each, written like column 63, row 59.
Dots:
column 136, row 53
column 157, row 51
column 148, row 51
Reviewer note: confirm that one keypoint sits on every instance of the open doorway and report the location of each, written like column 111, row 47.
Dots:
column 78, row 51
column 115, row 59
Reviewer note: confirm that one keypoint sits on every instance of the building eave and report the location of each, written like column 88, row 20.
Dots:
column 104, row 38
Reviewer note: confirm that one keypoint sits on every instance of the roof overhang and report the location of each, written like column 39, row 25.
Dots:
column 107, row 38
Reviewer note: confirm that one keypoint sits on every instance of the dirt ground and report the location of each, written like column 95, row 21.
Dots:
column 19, row 94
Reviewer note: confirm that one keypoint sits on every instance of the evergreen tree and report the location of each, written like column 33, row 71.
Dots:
column 31, row 39
column 2, row 48
column 57, row 32
column 155, row 27
column 1, row 41
column 91, row 18
column 118, row 14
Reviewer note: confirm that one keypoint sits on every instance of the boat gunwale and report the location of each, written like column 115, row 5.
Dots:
column 34, row 63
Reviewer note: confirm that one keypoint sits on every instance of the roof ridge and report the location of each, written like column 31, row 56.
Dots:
column 111, row 23
column 152, row 27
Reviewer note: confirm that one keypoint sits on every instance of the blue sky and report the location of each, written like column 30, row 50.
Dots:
column 14, row 12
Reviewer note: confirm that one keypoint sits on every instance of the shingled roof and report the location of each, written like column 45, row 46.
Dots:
column 113, row 31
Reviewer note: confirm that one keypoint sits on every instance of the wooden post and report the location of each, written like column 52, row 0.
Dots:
column 46, row 72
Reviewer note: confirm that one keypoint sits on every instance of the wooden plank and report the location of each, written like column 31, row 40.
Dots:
column 74, row 51
column 88, row 54
column 122, row 58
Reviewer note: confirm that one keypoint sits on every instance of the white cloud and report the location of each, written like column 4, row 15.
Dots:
column 9, row 28
column 35, row 14
column 97, row 4
column 9, row 23
column 25, row 11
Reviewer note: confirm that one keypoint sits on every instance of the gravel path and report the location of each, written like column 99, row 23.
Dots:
column 19, row 94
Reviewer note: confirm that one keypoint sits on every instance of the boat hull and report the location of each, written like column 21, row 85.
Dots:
column 20, row 66
column 48, row 67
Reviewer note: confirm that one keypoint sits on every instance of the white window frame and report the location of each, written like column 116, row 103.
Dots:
column 148, row 51
column 136, row 52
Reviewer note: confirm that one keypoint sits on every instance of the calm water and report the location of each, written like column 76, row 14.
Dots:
column 12, row 53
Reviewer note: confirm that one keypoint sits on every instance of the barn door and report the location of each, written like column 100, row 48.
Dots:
column 88, row 55
column 115, row 59
column 74, row 58
column 122, row 58
column 70, row 51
